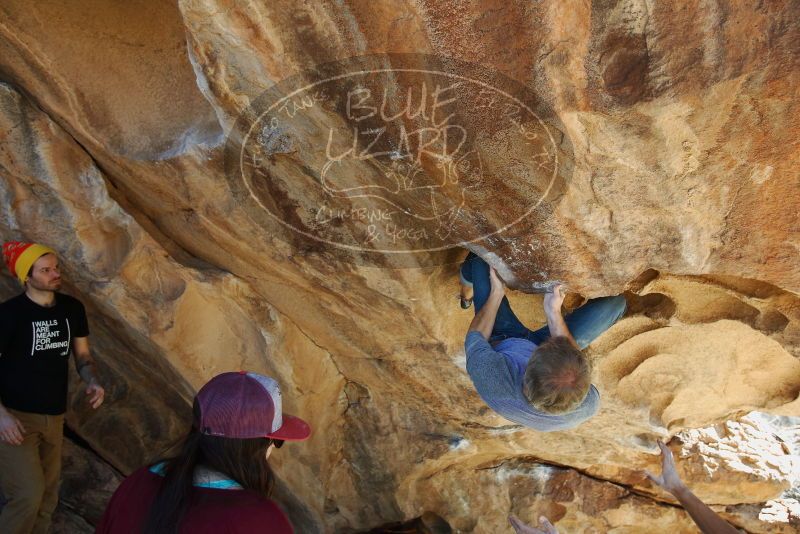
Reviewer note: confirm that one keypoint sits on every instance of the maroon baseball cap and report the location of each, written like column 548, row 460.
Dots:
column 247, row 405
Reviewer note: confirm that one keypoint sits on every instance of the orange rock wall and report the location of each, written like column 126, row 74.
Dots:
column 678, row 182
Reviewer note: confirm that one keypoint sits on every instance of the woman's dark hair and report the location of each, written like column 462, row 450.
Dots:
column 243, row 460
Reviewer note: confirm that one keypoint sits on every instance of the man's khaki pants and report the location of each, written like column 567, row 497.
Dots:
column 29, row 474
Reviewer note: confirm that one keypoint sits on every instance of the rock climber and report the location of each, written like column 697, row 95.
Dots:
column 38, row 330
column 540, row 379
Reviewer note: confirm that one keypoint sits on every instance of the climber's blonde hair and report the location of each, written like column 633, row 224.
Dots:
column 558, row 377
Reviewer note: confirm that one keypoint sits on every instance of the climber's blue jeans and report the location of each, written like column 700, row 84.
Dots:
column 585, row 324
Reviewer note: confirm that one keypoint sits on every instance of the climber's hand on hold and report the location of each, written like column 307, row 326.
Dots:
column 545, row 527
column 554, row 299
column 498, row 287
column 483, row 321
column 552, row 311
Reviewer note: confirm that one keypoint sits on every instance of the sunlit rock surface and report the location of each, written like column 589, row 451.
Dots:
column 674, row 132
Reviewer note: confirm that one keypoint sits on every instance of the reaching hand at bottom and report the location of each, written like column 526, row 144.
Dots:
column 669, row 479
column 705, row 518
column 521, row 528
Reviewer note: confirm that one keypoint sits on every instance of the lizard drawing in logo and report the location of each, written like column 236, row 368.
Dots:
column 426, row 174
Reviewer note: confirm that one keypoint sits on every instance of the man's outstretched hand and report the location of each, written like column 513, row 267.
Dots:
column 545, row 527
column 669, row 479
column 706, row 519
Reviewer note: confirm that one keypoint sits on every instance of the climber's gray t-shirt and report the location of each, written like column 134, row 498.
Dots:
column 497, row 374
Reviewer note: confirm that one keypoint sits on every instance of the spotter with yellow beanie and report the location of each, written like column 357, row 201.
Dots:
column 39, row 328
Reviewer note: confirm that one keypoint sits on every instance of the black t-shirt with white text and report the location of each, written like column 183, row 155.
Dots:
column 35, row 344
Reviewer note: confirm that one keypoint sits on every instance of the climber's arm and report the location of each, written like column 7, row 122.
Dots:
column 483, row 321
column 706, row 519
column 552, row 310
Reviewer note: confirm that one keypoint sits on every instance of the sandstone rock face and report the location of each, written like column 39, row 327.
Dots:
column 87, row 485
column 658, row 158
column 575, row 502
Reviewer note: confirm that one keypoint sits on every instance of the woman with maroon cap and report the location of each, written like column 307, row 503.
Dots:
column 220, row 481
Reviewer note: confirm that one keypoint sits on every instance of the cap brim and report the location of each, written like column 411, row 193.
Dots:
column 293, row 429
